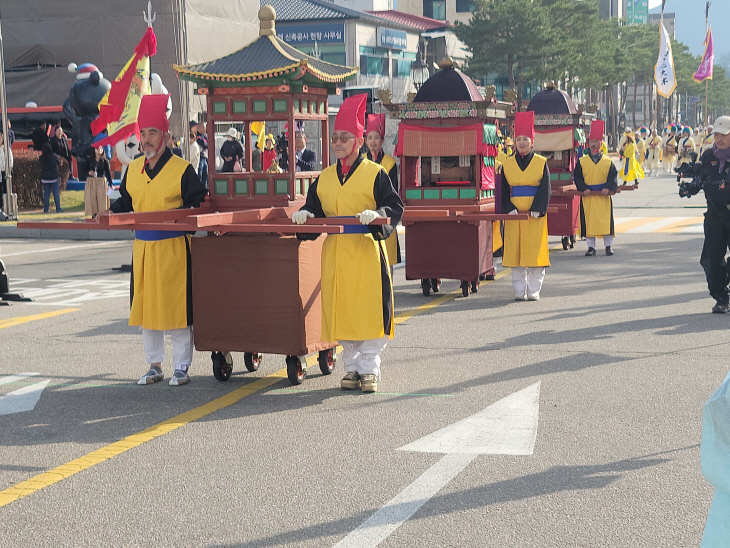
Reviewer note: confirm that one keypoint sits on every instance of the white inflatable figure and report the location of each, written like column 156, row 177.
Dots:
column 715, row 459
column 126, row 151
column 158, row 88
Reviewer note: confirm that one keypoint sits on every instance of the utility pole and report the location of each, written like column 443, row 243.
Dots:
column 10, row 206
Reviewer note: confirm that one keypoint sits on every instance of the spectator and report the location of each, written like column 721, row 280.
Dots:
column 202, row 140
column 99, row 165
column 4, row 166
column 194, row 151
column 59, row 145
column 306, row 159
column 172, row 145
column 49, row 177
column 11, row 134
column 39, row 136
column 232, row 152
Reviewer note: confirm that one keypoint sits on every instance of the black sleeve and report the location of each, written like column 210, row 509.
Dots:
column 507, row 204
column 124, row 203
column 388, row 204
column 578, row 179
column 308, row 160
column 314, row 206
column 612, row 179
column 542, row 198
column 393, row 174
column 192, row 190
column 108, row 172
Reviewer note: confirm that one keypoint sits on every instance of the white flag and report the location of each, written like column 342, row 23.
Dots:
column 664, row 75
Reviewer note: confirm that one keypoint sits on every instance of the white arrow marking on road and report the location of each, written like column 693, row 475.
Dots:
column 23, row 399
column 507, row 427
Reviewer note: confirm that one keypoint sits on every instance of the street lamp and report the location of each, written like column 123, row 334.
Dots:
column 419, row 71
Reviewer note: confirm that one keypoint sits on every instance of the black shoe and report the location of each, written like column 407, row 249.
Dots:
column 722, row 307
column 609, row 251
column 591, row 251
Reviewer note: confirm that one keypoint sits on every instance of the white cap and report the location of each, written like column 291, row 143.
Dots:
column 232, row 132
column 722, row 125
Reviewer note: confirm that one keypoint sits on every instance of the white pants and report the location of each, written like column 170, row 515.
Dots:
column 363, row 357
column 607, row 240
column 530, row 279
column 182, row 346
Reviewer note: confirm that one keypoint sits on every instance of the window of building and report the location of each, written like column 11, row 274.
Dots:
column 435, row 9
column 375, row 62
column 401, row 64
column 630, row 107
column 464, row 6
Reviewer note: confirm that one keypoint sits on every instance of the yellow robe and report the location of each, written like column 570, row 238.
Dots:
column 631, row 169
column 525, row 242
column 354, row 266
column 597, row 211
column 160, row 268
column 687, row 145
column 391, row 242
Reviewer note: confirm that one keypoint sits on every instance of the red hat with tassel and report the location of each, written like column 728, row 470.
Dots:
column 598, row 129
column 153, row 113
column 376, row 122
column 351, row 116
column 525, row 124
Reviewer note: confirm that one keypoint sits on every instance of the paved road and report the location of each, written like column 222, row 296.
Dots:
column 624, row 350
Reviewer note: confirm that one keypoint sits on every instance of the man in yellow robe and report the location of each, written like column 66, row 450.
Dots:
column 357, row 290
column 161, row 287
column 669, row 150
column 654, row 153
column 595, row 173
column 374, row 137
column 526, row 188
column 687, row 146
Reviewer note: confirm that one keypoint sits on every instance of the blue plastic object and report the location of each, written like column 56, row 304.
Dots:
column 715, row 458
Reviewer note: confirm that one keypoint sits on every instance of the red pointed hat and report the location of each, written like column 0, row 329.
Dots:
column 598, row 129
column 153, row 113
column 351, row 116
column 376, row 122
column 525, row 124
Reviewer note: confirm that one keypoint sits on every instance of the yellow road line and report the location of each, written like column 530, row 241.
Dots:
column 10, row 322
column 628, row 225
column 45, row 479
column 681, row 225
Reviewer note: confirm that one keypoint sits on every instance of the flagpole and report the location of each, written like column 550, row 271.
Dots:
column 707, row 28
column 11, row 211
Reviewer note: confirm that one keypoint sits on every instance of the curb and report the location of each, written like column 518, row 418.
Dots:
column 13, row 232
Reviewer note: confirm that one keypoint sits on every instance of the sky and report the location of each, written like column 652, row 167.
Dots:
column 690, row 23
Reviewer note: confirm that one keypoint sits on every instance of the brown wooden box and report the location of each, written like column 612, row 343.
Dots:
column 458, row 251
column 257, row 293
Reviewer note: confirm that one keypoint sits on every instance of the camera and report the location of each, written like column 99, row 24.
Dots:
column 690, row 170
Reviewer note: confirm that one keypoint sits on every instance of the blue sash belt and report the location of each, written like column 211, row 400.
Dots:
column 157, row 235
column 596, row 187
column 523, row 190
column 352, row 229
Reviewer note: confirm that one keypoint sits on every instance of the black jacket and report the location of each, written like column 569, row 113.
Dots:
column 49, row 167
column 61, row 148
column 39, row 138
column 231, row 149
column 716, row 184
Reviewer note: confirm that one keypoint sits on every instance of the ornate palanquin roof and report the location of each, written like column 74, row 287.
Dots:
column 266, row 58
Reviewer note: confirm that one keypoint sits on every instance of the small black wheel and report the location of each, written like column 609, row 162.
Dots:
column 327, row 359
column 252, row 361
column 464, row 289
column 294, row 370
column 426, row 287
column 435, row 284
column 222, row 365
column 565, row 242
column 474, row 287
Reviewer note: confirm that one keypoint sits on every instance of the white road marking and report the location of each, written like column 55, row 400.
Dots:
column 654, row 225
column 507, row 427
column 75, row 292
column 16, row 378
column 62, row 248
column 23, row 399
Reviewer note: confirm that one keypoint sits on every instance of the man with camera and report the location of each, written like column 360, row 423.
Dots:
column 712, row 174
